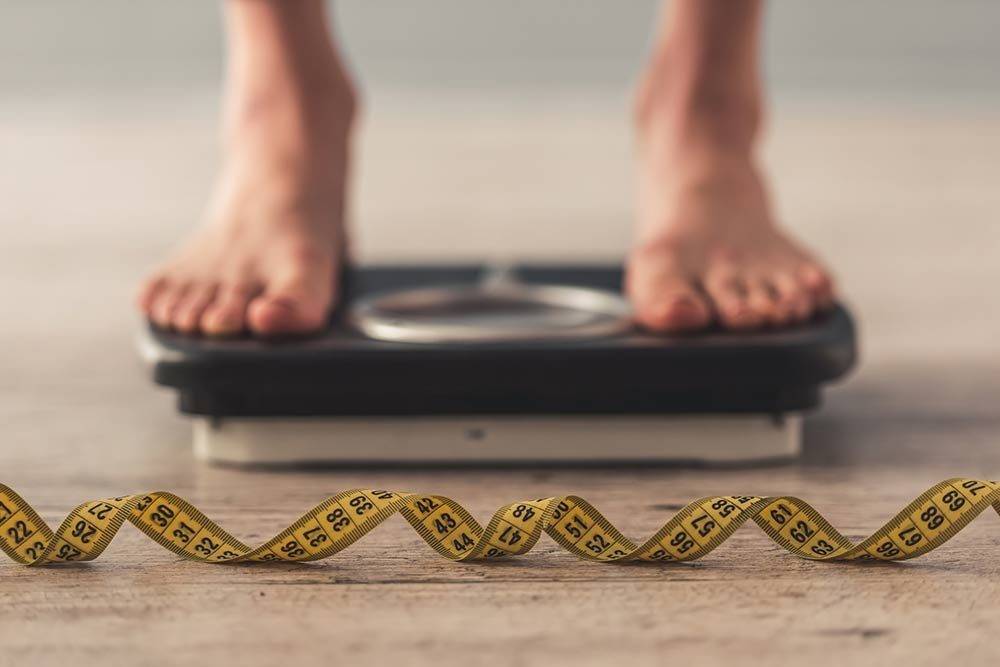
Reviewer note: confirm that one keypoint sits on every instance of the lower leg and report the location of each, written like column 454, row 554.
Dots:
column 268, row 255
column 707, row 246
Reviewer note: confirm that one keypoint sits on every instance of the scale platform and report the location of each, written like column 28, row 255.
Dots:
column 416, row 383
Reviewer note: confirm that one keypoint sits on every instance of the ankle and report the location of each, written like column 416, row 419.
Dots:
column 289, row 116
column 681, row 103
column 330, row 94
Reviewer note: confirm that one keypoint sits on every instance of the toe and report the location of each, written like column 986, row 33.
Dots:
column 664, row 299
column 148, row 292
column 791, row 297
column 162, row 308
column 276, row 314
column 678, row 309
column 227, row 314
column 761, row 300
column 187, row 314
column 818, row 283
column 730, row 298
column 298, row 306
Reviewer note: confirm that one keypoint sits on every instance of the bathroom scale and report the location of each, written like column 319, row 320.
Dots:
column 466, row 364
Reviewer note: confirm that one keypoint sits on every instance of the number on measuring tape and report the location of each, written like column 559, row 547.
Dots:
column 696, row 530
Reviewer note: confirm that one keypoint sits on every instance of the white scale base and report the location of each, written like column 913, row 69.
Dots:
column 470, row 439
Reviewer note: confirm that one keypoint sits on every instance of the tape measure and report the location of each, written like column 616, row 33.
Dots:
column 926, row 523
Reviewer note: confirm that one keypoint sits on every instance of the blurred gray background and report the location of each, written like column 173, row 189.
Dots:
column 912, row 48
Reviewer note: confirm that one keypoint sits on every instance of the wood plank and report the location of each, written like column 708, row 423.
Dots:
column 78, row 420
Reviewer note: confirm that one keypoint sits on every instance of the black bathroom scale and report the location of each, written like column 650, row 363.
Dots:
column 475, row 364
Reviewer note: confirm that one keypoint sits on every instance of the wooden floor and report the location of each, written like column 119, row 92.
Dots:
column 903, row 204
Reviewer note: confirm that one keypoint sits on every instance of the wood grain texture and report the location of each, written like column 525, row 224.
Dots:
column 911, row 227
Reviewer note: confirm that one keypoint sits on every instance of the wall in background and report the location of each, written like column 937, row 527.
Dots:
column 907, row 48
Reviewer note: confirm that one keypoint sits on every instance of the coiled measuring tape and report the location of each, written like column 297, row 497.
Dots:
column 701, row 526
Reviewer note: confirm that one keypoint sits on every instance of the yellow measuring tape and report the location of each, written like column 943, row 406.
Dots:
column 449, row 529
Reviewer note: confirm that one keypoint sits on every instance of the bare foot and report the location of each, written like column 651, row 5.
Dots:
column 708, row 249
column 268, row 256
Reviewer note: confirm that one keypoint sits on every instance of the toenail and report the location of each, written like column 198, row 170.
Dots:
column 681, row 312
column 679, row 306
column 815, row 278
column 220, row 321
column 742, row 316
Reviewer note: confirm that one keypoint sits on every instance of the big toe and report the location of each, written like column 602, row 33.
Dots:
column 677, row 309
column 666, row 300
column 287, row 312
